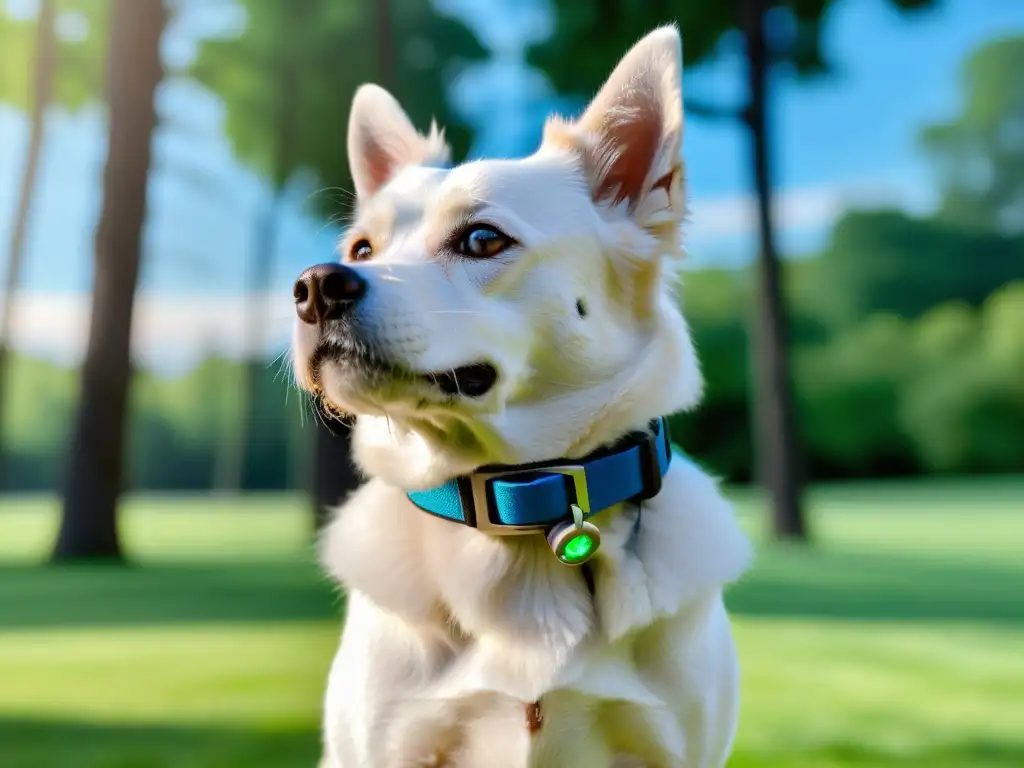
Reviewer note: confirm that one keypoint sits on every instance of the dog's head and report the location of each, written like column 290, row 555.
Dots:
column 506, row 311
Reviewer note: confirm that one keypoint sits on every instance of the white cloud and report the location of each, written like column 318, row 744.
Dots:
column 817, row 207
column 168, row 332
column 722, row 230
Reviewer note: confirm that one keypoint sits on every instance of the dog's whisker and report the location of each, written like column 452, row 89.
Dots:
column 327, row 190
column 280, row 359
column 318, row 415
column 331, row 222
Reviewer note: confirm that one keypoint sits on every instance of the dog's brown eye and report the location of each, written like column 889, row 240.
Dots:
column 483, row 242
column 361, row 250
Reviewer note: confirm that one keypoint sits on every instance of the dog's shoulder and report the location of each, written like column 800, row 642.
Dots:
column 372, row 544
column 685, row 545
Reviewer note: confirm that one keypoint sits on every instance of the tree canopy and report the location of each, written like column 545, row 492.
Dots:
column 980, row 152
column 328, row 49
column 590, row 35
column 81, row 31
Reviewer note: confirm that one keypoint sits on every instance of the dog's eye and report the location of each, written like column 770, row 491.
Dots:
column 483, row 242
column 361, row 250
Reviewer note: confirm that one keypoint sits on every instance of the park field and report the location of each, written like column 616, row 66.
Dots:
column 896, row 641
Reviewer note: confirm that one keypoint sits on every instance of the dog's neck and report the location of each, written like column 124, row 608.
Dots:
column 419, row 451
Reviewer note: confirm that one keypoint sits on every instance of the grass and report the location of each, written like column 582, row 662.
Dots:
column 897, row 641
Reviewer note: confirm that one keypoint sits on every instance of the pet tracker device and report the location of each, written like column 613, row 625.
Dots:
column 556, row 498
column 574, row 542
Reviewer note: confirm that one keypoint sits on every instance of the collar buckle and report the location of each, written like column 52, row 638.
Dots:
column 481, row 500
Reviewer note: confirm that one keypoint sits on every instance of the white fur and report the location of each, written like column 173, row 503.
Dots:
column 450, row 632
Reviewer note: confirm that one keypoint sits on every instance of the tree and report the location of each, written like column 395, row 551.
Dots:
column 41, row 93
column 75, row 87
column 588, row 36
column 964, row 408
column 980, row 153
column 96, row 463
column 888, row 261
column 282, row 91
column 298, row 122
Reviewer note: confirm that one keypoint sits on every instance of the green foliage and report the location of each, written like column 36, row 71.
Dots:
column 849, row 396
column 887, row 261
column 980, row 153
column 590, row 36
column 943, row 392
column 178, row 426
column 81, row 32
column 718, row 432
column 964, row 407
column 305, row 58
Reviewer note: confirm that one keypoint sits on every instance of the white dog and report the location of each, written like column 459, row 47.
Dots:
column 532, row 578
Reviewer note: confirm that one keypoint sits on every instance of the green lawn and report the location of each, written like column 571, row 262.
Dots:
column 898, row 641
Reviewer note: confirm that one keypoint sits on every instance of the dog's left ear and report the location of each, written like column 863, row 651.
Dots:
column 382, row 140
column 631, row 133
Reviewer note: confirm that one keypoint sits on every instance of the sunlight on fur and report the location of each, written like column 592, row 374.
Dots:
column 509, row 312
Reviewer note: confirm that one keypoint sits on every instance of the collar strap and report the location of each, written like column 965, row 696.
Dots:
column 527, row 498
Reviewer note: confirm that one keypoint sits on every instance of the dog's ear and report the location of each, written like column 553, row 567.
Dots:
column 630, row 134
column 382, row 140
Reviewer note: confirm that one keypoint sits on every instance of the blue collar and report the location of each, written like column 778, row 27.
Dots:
column 528, row 498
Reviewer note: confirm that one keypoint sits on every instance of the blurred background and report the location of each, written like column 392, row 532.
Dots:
column 855, row 282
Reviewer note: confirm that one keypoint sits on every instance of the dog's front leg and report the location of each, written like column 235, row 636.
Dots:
column 373, row 717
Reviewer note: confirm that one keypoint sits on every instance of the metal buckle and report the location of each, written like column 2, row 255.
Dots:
column 478, row 483
column 650, row 465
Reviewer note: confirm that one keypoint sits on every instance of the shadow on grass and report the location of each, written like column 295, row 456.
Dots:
column 106, row 595
column 970, row 754
column 45, row 744
column 812, row 583
column 798, row 583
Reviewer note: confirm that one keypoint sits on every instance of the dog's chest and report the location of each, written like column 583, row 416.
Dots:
column 602, row 708
column 564, row 728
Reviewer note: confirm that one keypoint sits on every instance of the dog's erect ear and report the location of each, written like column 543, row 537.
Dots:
column 630, row 134
column 382, row 140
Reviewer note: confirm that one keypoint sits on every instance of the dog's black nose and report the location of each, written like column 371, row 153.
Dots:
column 326, row 291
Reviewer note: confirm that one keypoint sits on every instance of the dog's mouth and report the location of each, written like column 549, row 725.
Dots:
column 474, row 380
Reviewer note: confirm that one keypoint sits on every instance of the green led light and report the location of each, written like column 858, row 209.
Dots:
column 578, row 548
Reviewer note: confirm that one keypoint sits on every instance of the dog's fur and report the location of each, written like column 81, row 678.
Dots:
column 451, row 633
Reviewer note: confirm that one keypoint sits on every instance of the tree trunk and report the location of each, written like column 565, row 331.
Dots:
column 262, row 270
column 96, row 469
column 42, row 91
column 777, row 453
column 334, row 474
column 231, row 465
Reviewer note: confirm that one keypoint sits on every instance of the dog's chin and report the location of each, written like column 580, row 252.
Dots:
column 366, row 385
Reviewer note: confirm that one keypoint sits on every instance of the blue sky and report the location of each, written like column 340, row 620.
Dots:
column 844, row 140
